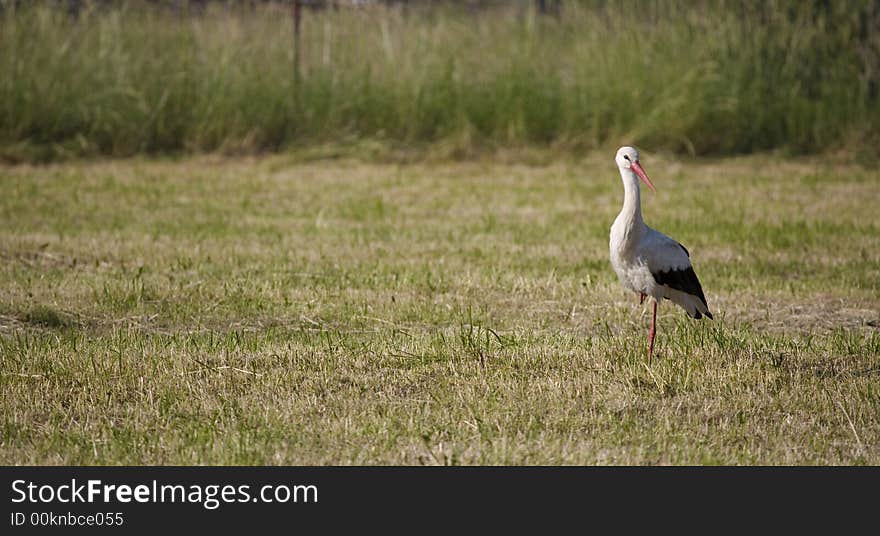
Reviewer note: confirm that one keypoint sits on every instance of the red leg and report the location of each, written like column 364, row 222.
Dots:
column 652, row 333
column 641, row 298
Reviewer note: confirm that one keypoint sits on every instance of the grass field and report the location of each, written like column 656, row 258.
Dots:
column 285, row 310
column 695, row 78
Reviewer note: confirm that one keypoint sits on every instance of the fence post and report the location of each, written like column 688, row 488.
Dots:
column 297, row 21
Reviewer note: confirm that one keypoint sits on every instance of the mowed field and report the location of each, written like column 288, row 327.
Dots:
column 283, row 311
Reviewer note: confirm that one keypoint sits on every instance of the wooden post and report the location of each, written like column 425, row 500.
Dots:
column 297, row 22
column 549, row 7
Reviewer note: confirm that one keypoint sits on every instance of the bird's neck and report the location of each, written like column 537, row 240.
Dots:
column 631, row 213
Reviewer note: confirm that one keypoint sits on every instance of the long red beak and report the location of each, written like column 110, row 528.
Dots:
column 642, row 175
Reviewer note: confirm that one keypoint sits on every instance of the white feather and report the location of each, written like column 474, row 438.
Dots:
column 663, row 253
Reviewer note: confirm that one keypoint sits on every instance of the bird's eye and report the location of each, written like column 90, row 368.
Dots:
column 626, row 156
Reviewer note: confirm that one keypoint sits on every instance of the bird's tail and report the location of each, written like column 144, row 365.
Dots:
column 693, row 305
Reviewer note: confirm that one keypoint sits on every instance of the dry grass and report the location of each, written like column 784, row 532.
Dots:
column 285, row 311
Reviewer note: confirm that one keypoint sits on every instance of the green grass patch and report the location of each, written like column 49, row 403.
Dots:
column 263, row 311
column 735, row 77
column 45, row 316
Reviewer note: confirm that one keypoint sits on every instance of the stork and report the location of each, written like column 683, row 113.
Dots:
column 647, row 261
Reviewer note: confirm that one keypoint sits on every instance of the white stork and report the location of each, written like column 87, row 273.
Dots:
column 647, row 261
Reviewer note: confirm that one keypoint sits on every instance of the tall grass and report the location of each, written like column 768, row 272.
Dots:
column 723, row 78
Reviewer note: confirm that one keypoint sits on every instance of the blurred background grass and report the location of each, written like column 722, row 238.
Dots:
column 703, row 78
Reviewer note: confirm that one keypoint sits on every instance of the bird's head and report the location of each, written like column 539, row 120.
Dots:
column 628, row 159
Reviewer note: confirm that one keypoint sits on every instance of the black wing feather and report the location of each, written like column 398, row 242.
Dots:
column 684, row 280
